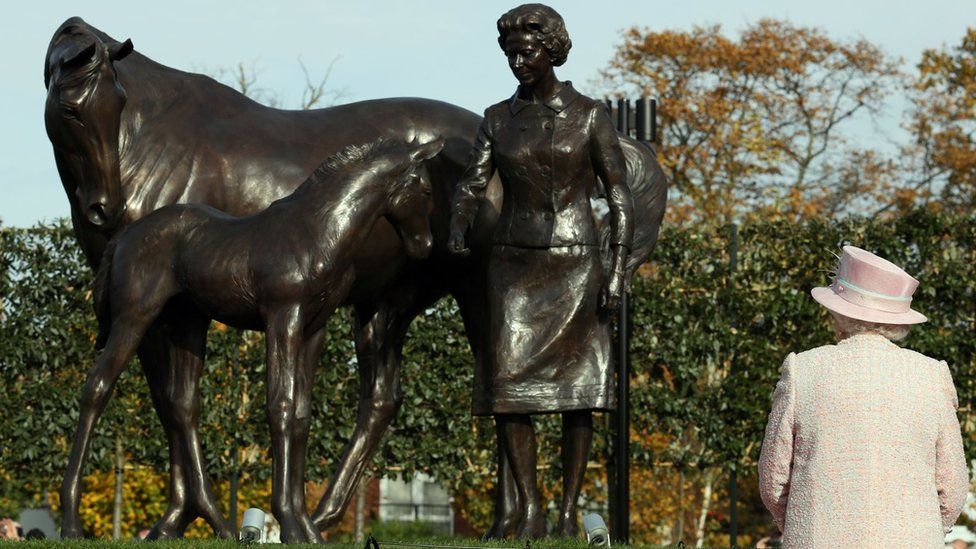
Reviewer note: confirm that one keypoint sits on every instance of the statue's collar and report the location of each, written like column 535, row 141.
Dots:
column 559, row 101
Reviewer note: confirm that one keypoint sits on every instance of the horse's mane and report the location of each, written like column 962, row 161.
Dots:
column 351, row 156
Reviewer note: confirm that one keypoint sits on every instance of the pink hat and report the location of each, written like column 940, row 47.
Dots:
column 870, row 288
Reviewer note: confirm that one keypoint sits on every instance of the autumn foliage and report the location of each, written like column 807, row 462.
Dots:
column 771, row 123
column 943, row 122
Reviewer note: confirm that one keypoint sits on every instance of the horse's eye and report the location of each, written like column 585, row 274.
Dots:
column 70, row 112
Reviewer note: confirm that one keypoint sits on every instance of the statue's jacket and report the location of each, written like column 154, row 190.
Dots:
column 548, row 156
column 548, row 344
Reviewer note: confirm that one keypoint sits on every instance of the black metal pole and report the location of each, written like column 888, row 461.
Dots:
column 620, row 495
column 643, row 119
column 733, row 480
column 653, row 115
column 621, row 516
column 623, row 116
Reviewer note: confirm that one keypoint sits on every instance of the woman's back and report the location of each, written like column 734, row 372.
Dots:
column 872, row 427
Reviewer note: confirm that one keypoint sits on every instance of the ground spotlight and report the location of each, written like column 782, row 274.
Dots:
column 597, row 534
column 252, row 526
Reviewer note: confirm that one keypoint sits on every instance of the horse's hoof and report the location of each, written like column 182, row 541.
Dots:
column 533, row 526
column 312, row 534
column 291, row 528
column 72, row 531
column 224, row 532
column 501, row 528
column 567, row 529
column 168, row 527
column 292, row 534
column 221, row 527
column 163, row 534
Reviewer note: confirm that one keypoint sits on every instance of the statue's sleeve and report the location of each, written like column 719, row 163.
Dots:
column 609, row 164
column 471, row 189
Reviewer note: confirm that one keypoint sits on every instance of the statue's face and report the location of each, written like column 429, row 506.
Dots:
column 527, row 58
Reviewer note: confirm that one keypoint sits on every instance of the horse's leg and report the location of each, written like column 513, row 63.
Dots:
column 380, row 331
column 123, row 340
column 284, row 335
column 311, row 352
column 469, row 291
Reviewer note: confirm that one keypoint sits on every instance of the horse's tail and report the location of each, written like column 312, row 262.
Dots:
column 101, row 288
column 649, row 188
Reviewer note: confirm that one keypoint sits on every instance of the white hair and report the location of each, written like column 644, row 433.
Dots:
column 846, row 327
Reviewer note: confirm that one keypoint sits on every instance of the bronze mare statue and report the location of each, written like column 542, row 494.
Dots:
column 131, row 136
column 283, row 271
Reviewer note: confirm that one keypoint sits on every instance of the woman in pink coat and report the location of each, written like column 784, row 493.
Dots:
column 863, row 447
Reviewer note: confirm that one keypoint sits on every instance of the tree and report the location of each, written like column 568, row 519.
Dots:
column 757, row 123
column 943, row 123
column 315, row 93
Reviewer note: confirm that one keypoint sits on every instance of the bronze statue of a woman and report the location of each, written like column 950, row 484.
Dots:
column 548, row 294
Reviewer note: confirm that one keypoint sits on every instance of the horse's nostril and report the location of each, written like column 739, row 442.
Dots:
column 96, row 215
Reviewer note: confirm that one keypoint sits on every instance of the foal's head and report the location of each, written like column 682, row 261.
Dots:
column 393, row 172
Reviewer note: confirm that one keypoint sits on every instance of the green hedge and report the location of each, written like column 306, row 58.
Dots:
column 707, row 344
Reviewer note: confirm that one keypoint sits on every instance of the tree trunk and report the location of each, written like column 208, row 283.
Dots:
column 361, row 510
column 706, row 503
column 679, row 527
column 119, row 471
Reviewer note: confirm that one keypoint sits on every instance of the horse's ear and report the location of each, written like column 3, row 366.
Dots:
column 427, row 150
column 80, row 57
column 118, row 51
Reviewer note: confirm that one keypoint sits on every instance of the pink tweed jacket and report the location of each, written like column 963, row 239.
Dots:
column 863, row 448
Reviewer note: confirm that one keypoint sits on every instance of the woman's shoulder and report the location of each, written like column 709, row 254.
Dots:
column 866, row 346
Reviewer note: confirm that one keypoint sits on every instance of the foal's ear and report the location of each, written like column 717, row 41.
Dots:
column 427, row 150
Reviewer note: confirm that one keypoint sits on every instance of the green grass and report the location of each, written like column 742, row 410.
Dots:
column 223, row 544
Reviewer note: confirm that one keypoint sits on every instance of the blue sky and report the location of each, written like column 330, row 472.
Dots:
column 428, row 48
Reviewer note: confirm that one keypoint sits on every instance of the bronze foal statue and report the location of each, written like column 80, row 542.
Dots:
column 282, row 271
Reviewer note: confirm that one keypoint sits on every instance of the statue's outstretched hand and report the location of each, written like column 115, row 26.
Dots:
column 455, row 242
column 616, row 281
column 612, row 290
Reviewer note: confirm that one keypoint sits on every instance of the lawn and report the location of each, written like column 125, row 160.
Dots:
column 425, row 544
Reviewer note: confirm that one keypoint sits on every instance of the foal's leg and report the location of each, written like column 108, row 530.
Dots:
column 172, row 356
column 126, row 332
column 284, row 335
column 380, row 331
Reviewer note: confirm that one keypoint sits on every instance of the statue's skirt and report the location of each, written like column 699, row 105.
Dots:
column 549, row 344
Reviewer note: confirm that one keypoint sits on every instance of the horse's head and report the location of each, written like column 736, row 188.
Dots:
column 409, row 197
column 82, row 113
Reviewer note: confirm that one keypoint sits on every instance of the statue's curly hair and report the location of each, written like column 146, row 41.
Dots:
column 541, row 21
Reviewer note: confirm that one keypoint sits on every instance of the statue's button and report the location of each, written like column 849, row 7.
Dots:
column 547, row 125
column 524, row 127
column 547, row 216
column 545, row 170
column 521, row 171
column 524, row 215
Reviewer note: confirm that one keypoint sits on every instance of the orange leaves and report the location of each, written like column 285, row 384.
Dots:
column 754, row 123
column 944, row 124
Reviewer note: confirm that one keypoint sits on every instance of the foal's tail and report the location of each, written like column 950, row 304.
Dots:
column 101, row 287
